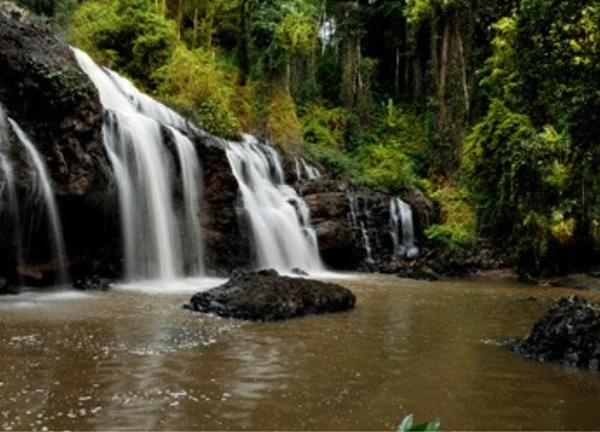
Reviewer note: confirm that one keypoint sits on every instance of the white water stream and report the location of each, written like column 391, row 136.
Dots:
column 402, row 229
column 156, row 247
column 42, row 189
column 283, row 238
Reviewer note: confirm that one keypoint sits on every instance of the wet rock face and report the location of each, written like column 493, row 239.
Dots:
column 6, row 287
column 43, row 89
column 568, row 333
column 266, row 296
column 338, row 224
column 226, row 238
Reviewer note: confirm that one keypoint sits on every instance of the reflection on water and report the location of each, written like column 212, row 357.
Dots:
column 128, row 359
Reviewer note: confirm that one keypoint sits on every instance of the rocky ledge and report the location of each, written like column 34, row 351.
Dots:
column 568, row 333
column 267, row 296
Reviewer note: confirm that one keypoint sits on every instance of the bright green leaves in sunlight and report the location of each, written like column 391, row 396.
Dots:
column 532, row 162
column 519, row 179
column 193, row 82
column 127, row 35
column 296, row 33
column 407, row 425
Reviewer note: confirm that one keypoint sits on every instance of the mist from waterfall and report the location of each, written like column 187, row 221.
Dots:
column 282, row 235
column 402, row 229
column 136, row 128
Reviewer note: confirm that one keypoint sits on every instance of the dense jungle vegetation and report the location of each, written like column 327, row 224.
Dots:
column 491, row 107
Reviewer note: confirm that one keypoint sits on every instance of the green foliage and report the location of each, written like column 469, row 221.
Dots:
column 385, row 166
column 127, row 35
column 407, row 425
column 279, row 31
column 383, row 156
column 519, row 179
column 324, row 130
column 542, row 195
column 194, row 83
column 392, row 150
column 296, row 32
column 282, row 126
column 557, row 63
column 458, row 230
column 326, row 127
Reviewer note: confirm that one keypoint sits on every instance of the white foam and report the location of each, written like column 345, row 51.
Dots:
column 175, row 286
column 32, row 299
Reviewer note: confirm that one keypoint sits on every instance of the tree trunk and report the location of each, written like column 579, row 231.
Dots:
column 288, row 74
column 465, row 81
column 443, row 75
column 195, row 30
column 179, row 18
column 435, row 64
column 209, row 30
column 243, row 51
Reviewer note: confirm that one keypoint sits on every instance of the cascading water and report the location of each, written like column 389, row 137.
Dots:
column 134, row 137
column 280, row 221
column 401, row 218
column 305, row 171
column 361, row 220
column 191, row 176
column 8, row 186
column 42, row 187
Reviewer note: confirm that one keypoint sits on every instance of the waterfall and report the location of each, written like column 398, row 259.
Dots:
column 401, row 217
column 311, row 172
column 362, row 220
column 8, row 185
column 305, row 171
column 191, row 175
column 134, row 137
column 42, row 188
column 282, row 235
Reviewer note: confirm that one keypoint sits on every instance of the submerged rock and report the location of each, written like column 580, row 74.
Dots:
column 299, row 272
column 418, row 272
column 266, row 296
column 93, row 283
column 568, row 333
column 7, row 288
column 577, row 281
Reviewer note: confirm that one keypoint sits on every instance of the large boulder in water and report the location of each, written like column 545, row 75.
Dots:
column 568, row 333
column 266, row 296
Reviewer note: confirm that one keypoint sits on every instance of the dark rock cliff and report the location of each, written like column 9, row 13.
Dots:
column 339, row 214
column 42, row 88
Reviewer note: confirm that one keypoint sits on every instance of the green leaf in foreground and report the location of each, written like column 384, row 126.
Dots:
column 407, row 425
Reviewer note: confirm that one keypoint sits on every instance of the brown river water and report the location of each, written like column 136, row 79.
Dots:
column 128, row 359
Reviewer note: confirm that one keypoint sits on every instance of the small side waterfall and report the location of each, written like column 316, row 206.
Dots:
column 282, row 234
column 401, row 218
column 7, row 185
column 42, row 188
column 361, row 219
column 135, row 128
column 305, row 171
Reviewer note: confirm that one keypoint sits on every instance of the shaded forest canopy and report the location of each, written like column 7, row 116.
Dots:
column 491, row 107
